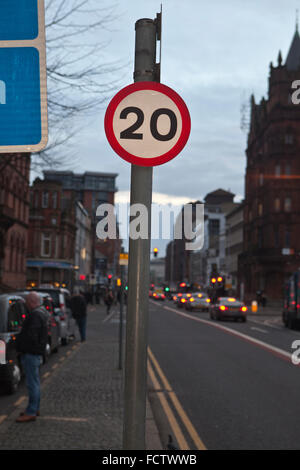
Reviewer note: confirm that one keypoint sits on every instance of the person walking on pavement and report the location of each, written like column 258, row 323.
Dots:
column 78, row 309
column 108, row 299
column 31, row 343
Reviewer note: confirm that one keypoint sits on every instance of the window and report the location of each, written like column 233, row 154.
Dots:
column 288, row 169
column 15, row 315
column 289, row 139
column 287, row 239
column 287, row 204
column 54, row 200
column 277, row 204
column 45, row 199
column 260, row 209
column 276, row 237
column 277, row 171
column 46, row 245
column 261, row 179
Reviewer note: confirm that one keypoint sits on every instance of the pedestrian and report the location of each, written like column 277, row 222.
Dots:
column 31, row 343
column 79, row 312
column 108, row 299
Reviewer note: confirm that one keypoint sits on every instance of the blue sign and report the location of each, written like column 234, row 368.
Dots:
column 20, row 111
column 23, row 100
column 18, row 20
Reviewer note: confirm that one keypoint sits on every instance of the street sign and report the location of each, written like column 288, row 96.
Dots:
column 23, row 89
column 147, row 123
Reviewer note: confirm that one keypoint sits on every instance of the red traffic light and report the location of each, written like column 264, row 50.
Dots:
column 109, row 276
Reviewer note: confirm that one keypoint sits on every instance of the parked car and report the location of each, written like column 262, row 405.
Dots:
column 198, row 301
column 61, row 300
column 228, row 307
column 291, row 310
column 157, row 295
column 12, row 315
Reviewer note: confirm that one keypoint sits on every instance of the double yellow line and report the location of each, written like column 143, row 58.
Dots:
column 167, row 391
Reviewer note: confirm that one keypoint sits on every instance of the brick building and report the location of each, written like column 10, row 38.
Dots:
column 92, row 189
column 52, row 231
column 14, row 213
column 272, row 191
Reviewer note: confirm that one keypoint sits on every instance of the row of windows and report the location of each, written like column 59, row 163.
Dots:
column 286, row 206
column 279, row 171
column 48, row 199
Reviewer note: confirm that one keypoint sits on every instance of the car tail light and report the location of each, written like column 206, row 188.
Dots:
column 174, row 298
column 223, row 307
column 208, row 301
column 179, row 295
column 163, row 296
column 182, row 300
column 244, row 309
column 192, row 299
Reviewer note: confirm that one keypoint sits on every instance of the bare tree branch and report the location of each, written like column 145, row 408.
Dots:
column 80, row 78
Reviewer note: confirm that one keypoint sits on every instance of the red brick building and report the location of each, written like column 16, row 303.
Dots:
column 14, row 212
column 52, row 232
column 272, row 191
column 92, row 189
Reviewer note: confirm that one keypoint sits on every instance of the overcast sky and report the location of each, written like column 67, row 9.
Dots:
column 214, row 54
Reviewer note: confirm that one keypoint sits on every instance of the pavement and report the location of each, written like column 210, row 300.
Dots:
column 81, row 397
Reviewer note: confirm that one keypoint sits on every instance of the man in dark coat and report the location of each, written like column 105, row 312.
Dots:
column 78, row 308
column 31, row 343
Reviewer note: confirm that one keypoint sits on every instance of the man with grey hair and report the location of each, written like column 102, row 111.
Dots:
column 31, row 343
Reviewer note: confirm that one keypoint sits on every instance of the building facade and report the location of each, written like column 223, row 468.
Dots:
column 272, row 191
column 14, row 216
column 92, row 189
column 52, row 234
column 234, row 247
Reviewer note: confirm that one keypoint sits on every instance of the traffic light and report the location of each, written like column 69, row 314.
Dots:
column 109, row 278
column 213, row 280
column 167, row 289
column 155, row 252
column 119, row 282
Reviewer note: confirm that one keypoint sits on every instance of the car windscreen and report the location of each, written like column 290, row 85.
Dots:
column 54, row 296
column 230, row 303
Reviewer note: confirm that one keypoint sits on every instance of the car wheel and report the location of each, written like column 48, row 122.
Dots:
column 65, row 341
column 14, row 379
column 244, row 319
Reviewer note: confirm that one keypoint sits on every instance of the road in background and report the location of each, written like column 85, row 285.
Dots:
column 238, row 392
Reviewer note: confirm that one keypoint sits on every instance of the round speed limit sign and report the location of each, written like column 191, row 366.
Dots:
column 147, row 123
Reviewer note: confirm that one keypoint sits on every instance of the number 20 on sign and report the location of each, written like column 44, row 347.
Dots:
column 147, row 123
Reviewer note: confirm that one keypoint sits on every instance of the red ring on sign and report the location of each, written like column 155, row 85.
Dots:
column 141, row 161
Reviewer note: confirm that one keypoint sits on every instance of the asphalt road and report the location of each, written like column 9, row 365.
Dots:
column 235, row 382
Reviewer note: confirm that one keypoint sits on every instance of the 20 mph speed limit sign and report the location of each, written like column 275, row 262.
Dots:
column 147, row 123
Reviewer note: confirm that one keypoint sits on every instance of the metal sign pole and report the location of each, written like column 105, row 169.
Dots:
column 139, row 267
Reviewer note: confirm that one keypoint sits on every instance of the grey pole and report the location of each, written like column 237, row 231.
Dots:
column 139, row 267
column 121, row 318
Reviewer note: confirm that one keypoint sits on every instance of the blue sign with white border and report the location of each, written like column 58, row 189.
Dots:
column 23, row 96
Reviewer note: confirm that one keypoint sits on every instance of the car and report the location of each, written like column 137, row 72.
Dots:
column 12, row 315
column 182, row 299
column 198, row 301
column 61, row 300
column 228, row 307
column 158, row 295
column 291, row 310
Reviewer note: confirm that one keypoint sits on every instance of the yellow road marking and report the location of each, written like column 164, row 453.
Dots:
column 185, row 419
column 54, row 366
column 2, row 418
column 18, row 402
column 171, row 418
column 60, row 418
column 46, row 375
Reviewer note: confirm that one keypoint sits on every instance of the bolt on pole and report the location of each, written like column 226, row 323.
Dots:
column 139, row 266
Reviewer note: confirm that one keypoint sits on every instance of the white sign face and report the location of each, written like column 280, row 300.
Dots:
column 147, row 123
